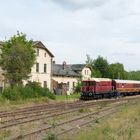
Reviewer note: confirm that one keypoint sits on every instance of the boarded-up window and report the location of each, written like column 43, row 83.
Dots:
column 45, row 84
column 37, row 67
column 37, row 52
column 45, row 68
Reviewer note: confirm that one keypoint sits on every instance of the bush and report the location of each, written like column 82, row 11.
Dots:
column 31, row 90
column 78, row 87
column 11, row 93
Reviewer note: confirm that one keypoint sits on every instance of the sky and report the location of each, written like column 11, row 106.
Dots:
column 71, row 29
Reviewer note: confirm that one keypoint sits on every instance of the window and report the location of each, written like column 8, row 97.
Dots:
column 85, row 72
column 44, row 54
column 68, row 84
column 37, row 53
column 45, row 68
column 37, row 67
column 45, row 84
column 73, row 85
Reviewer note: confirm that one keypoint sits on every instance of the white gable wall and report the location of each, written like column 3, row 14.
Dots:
column 41, row 76
column 86, row 73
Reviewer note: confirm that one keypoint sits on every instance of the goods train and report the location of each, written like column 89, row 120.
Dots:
column 107, row 88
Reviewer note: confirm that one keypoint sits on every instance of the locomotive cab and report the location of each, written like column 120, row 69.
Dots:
column 88, row 88
column 96, row 88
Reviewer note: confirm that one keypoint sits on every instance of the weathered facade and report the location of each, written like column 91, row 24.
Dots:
column 42, row 70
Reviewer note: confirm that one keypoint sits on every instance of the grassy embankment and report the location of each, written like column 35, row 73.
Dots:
column 31, row 93
column 72, row 97
column 124, row 125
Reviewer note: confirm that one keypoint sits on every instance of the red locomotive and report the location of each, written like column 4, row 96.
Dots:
column 104, row 87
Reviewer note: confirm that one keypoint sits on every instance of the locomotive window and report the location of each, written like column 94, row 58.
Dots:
column 88, row 83
column 92, row 83
column 136, row 85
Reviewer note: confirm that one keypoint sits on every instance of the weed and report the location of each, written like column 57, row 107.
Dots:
column 82, row 110
column 130, row 132
column 51, row 137
column 5, row 133
column 97, row 121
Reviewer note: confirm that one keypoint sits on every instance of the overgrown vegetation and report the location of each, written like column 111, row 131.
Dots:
column 31, row 90
column 17, row 58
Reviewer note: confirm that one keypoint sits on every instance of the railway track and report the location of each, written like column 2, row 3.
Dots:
column 51, row 106
column 45, row 113
column 87, row 118
column 60, row 109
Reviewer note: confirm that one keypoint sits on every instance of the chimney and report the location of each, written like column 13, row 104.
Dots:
column 64, row 65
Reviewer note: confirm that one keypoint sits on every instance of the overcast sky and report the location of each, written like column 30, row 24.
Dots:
column 70, row 29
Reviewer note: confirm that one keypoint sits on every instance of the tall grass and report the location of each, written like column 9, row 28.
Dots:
column 123, row 125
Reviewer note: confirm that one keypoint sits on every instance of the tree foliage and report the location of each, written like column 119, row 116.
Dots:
column 17, row 58
column 96, row 73
column 101, row 65
column 89, row 61
column 133, row 75
column 101, row 69
column 116, row 71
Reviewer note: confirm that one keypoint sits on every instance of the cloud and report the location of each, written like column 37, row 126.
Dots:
column 74, row 28
column 78, row 4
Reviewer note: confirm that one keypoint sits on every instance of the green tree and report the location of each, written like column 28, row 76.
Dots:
column 101, row 65
column 133, row 75
column 89, row 61
column 96, row 73
column 17, row 58
column 116, row 71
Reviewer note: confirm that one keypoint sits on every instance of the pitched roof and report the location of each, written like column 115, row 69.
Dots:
column 77, row 67
column 39, row 44
column 60, row 70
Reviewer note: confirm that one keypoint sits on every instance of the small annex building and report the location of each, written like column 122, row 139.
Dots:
column 65, row 77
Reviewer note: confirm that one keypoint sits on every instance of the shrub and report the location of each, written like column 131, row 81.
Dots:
column 78, row 87
column 11, row 93
column 31, row 90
